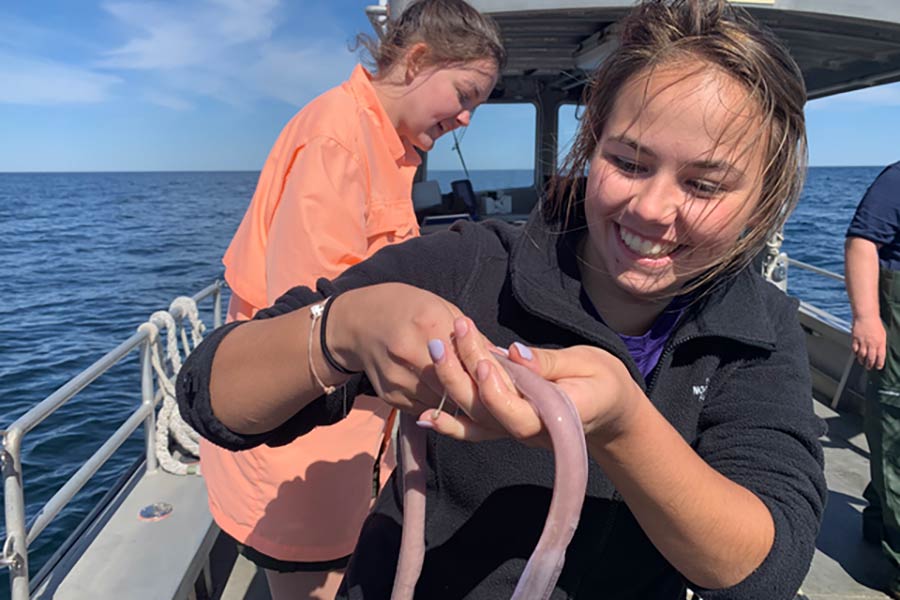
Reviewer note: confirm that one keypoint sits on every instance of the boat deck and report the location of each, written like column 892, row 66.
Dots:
column 845, row 567
column 247, row 582
column 124, row 556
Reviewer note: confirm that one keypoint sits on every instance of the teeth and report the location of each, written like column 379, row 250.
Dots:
column 643, row 246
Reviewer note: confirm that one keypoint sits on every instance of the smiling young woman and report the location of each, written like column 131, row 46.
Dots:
column 688, row 370
column 335, row 189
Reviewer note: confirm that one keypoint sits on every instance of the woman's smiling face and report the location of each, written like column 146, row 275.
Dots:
column 674, row 180
column 440, row 99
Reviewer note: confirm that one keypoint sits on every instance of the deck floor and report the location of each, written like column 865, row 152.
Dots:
column 845, row 567
column 247, row 582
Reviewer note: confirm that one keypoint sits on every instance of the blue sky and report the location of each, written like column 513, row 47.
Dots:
column 208, row 84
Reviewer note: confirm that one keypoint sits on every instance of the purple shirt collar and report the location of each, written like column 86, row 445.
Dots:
column 646, row 349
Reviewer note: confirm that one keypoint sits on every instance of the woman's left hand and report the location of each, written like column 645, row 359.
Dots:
column 599, row 385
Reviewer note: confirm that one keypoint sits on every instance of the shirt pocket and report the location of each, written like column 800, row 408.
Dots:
column 389, row 222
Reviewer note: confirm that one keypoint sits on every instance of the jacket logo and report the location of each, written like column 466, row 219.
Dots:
column 700, row 391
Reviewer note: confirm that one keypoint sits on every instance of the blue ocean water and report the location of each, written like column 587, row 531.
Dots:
column 88, row 256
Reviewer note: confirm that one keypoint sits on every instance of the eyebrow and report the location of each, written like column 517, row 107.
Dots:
column 707, row 165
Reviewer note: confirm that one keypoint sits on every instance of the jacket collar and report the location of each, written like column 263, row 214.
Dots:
column 546, row 281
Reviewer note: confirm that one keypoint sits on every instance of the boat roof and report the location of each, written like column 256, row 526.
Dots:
column 840, row 45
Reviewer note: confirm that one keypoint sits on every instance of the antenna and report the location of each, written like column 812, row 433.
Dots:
column 458, row 150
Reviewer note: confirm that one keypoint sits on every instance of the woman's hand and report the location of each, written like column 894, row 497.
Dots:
column 385, row 331
column 599, row 385
column 597, row 382
column 869, row 342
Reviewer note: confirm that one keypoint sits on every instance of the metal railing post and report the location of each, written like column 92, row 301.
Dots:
column 15, row 548
column 217, row 306
column 147, row 400
column 845, row 376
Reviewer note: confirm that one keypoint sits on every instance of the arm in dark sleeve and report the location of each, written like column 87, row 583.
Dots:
column 192, row 391
column 758, row 429
column 422, row 262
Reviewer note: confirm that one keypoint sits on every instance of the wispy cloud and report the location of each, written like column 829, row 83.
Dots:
column 294, row 75
column 32, row 71
column 24, row 37
column 167, row 100
column 182, row 35
column 37, row 81
column 222, row 49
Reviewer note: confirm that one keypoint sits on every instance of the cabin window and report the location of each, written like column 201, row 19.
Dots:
column 568, row 119
column 498, row 149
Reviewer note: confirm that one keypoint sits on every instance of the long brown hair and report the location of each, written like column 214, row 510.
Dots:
column 453, row 31
column 712, row 32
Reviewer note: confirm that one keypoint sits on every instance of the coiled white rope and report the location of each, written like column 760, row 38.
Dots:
column 166, row 364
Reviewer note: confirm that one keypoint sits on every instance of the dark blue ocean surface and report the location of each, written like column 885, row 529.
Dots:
column 88, row 257
column 815, row 232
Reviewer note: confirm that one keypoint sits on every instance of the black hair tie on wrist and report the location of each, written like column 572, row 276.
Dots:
column 325, row 352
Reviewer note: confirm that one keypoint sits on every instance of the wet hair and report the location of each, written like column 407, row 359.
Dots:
column 708, row 33
column 453, row 31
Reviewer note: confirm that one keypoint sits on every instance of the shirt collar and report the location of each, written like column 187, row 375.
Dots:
column 360, row 84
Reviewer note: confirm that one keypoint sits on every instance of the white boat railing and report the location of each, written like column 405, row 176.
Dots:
column 19, row 535
column 797, row 263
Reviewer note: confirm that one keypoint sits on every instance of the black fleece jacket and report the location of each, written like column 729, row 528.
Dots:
column 733, row 380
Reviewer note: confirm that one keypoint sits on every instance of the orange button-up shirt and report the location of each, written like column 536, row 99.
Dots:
column 335, row 188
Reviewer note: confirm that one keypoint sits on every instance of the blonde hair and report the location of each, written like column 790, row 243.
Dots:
column 660, row 32
column 453, row 31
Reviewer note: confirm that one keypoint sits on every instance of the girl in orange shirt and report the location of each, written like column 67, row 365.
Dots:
column 336, row 188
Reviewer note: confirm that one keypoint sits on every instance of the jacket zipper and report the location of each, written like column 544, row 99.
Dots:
column 669, row 349
column 651, row 381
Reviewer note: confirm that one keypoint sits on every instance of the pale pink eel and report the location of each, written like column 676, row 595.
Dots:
column 412, row 540
column 562, row 422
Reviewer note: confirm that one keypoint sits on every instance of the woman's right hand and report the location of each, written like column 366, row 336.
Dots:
column 385, row 330
column 869, row 342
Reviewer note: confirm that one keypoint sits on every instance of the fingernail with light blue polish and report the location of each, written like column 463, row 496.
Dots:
column 524, row 350
column 425, row 424
column 436, row 350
